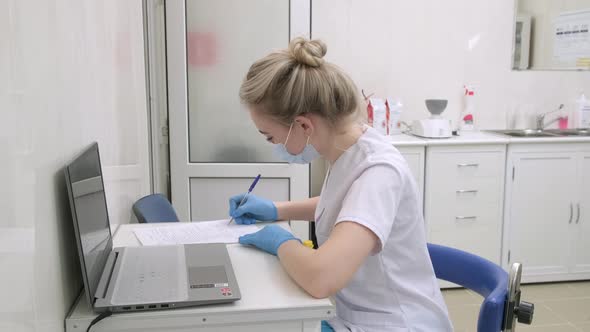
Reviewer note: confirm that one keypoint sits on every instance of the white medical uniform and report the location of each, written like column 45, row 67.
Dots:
column 395, row 288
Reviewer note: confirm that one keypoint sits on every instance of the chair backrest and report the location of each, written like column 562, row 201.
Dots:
column 478, row 274
column 154, row 208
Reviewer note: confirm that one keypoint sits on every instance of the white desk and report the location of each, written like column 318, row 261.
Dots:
column 271, row 301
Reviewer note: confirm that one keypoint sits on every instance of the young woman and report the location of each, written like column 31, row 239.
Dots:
column 372, row 256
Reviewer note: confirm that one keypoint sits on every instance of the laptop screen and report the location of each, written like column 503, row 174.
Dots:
column 90, row 216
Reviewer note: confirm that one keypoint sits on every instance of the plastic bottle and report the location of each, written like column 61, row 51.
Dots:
column 395, row 108
column 378, row 115
column 583, row 112
column 466, row 120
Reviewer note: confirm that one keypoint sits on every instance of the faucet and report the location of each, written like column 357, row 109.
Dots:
column 541, row 118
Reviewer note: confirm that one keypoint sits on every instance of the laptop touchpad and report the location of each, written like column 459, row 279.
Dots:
column 207, row 276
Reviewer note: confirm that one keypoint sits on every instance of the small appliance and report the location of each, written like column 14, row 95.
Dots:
column 435, row 126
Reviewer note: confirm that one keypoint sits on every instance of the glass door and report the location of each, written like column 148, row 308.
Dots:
column 215, row 150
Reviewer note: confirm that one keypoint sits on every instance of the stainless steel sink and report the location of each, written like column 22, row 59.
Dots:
column 526, row 133
column 570, row 132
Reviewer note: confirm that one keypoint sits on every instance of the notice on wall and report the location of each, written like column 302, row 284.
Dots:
column 571, row 44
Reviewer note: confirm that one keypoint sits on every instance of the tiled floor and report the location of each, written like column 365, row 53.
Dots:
column 559, row 307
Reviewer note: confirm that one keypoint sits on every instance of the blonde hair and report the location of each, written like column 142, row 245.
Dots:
column 295, row 81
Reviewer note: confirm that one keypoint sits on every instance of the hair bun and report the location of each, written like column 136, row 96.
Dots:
column 308, row 52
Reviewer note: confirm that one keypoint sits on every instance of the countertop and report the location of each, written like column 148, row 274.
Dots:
column 406, row 140
column 480, row 138
column 466, row 138
column 558, row 139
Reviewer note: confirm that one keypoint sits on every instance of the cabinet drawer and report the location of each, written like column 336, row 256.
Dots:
column 473, row 228
column 463, row 217
column 468, row 191
column 465, row 164
column 483, row 241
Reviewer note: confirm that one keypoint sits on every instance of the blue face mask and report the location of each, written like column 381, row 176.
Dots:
column 306, row 156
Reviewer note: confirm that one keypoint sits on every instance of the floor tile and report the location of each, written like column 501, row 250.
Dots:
column 455, row 297
column 559, row 307
column 583, row 327
column 541, row 292
column 545, row 316
column 582, row 288
column 573, row 310
column 548, row 328
column 464, row 317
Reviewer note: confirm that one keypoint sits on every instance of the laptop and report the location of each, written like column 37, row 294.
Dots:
column 139, row 278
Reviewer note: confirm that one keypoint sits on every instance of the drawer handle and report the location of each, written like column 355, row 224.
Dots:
column 467, row 165
column 467, row 191
column 571, row 213
column 466, row 217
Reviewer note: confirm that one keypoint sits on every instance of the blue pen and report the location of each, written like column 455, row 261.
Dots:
column 244, row 198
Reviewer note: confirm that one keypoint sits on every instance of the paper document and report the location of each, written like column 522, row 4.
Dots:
column 217, row 231
column 571, row 44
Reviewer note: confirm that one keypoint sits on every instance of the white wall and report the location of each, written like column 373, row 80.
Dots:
column 71, row 72
column 429, row 49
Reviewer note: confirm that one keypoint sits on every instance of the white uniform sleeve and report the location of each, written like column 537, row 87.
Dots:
column 373, row 200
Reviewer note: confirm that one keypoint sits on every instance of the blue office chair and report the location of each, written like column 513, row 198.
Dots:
column 154, row 208
column 501, row 307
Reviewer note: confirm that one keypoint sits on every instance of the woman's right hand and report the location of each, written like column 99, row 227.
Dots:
column 254, row 208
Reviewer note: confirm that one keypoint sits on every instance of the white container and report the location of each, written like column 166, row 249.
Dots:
column 378, row 115
column 583, row 112
column 395, row 113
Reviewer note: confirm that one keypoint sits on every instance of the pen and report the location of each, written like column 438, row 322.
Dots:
column 246, row 195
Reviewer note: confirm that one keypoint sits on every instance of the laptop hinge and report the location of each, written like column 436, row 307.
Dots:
column 107, row 274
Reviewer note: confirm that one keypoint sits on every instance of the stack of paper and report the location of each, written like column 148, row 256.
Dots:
column 217, row 231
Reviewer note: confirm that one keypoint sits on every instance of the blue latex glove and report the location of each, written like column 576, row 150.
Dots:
column 268, row 239
column 254, row 208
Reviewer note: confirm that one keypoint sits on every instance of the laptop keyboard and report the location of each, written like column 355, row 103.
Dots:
column 150, row 275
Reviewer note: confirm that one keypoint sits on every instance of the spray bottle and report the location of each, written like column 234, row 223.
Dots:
column 466, row 118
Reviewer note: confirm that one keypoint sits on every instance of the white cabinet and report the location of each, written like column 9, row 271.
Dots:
column 541, row 210
column 464, row 196
column 546, row 211
column 415, row 156
column 581, row 252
